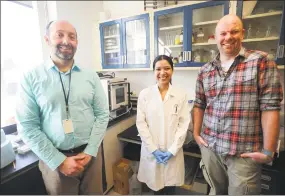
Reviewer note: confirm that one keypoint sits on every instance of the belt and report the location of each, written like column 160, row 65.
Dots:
column 79, row 149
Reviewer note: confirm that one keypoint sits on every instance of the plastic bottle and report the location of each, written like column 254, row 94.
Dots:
column 181, row 37
column 177, row 39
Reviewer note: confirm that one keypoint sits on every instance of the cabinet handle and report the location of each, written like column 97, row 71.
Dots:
column 189, row 56
column 184, row 56
column 265, row 177
column 277, row 52
column 265, row 186
column 281, row 51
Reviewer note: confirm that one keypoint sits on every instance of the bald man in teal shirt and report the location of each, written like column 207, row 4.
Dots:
column 62, row 115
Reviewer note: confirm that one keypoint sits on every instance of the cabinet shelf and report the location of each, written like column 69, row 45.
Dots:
column 263, row 15
column 261, row 39
column 174, row 46
column 205, row 23
column 203, row 44
column 112, row 51
column 171, row 27
column 111, row 36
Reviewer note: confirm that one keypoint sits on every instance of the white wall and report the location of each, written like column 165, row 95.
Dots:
column 84, row 15
column 119, row 9
column 142, row 79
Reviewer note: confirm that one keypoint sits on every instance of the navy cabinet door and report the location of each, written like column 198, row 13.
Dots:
column 170, row 34
column 136, row 43
column 264, row 27
column 111, row 44
column 202, row 21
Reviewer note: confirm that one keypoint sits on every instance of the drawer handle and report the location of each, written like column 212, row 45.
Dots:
column 265, row 177
column 265, row 186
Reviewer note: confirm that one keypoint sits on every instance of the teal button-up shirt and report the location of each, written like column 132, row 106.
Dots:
column 41, row 109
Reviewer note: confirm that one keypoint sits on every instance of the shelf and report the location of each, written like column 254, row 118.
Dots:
column 111, row 51
column 174, row 46
column 281, row 67
column 206, row 23
column 203, row 44
column 111, row 36
column 263, row 15
column 261, row 39
column 171, row 27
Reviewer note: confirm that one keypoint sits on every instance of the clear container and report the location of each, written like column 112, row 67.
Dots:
column 200, row 35
column 258, row 33
column 249, row 32
column 213, row 54
column 268, row 31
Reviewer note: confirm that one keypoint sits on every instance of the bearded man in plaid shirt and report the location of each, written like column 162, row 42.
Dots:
column 238, row 96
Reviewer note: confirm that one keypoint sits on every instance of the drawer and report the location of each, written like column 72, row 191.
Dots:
column 269, row 182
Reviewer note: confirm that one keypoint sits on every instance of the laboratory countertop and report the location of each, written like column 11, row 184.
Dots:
column 26, row 162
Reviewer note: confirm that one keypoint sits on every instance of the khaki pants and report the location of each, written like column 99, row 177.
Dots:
column 230, row 174
column 58, row 184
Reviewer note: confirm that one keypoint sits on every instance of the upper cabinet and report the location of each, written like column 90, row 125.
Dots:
column 125, row 43
column 264, row 27
column 187, row 33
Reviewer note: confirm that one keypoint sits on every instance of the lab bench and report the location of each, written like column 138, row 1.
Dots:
column 26, row 178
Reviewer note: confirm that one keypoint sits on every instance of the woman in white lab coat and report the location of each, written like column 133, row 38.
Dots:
column 162, row 120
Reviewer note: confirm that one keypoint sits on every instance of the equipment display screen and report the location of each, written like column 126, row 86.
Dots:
column 120, row 95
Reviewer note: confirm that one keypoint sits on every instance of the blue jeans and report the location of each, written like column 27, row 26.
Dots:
column 230, row 174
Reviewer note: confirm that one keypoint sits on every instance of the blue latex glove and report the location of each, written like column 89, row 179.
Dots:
column 159, row 155
column 167, row 156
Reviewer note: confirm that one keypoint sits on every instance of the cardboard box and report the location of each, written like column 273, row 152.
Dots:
column 122, row 171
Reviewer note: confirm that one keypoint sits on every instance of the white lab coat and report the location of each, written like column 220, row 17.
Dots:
column 162, row 124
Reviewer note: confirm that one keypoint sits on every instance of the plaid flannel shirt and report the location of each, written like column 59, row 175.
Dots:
column 233, row 101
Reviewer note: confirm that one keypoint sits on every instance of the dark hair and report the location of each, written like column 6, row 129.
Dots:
column 48, row 27
column 163, row 57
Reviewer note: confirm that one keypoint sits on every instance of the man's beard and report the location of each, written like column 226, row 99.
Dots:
column 62, row 55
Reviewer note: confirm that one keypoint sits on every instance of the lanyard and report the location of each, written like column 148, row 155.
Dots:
column 66, row 97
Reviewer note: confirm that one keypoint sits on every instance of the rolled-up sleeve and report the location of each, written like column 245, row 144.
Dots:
column 270, row 88
column 101, row 112
column 200, row 98
column 29, row 128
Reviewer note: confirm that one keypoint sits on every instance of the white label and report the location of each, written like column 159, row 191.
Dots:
column 67, row 126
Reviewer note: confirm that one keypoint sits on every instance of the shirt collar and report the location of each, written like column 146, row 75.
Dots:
column 50, row 64
column 217, row 62
column 170, row 90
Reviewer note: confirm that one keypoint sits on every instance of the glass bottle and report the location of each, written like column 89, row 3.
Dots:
column 258, row 33
column 268, row 31
column 249, row 32
column 200, row 35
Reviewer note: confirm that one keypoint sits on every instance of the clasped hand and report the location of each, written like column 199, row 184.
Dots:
column 74, row 165
column 162, row 157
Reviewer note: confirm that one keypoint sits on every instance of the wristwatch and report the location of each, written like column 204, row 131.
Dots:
column 268, row 153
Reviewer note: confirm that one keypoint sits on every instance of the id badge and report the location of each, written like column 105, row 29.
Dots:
column 67, row 126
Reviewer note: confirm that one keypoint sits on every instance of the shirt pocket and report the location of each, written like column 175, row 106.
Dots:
column 245, row 90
